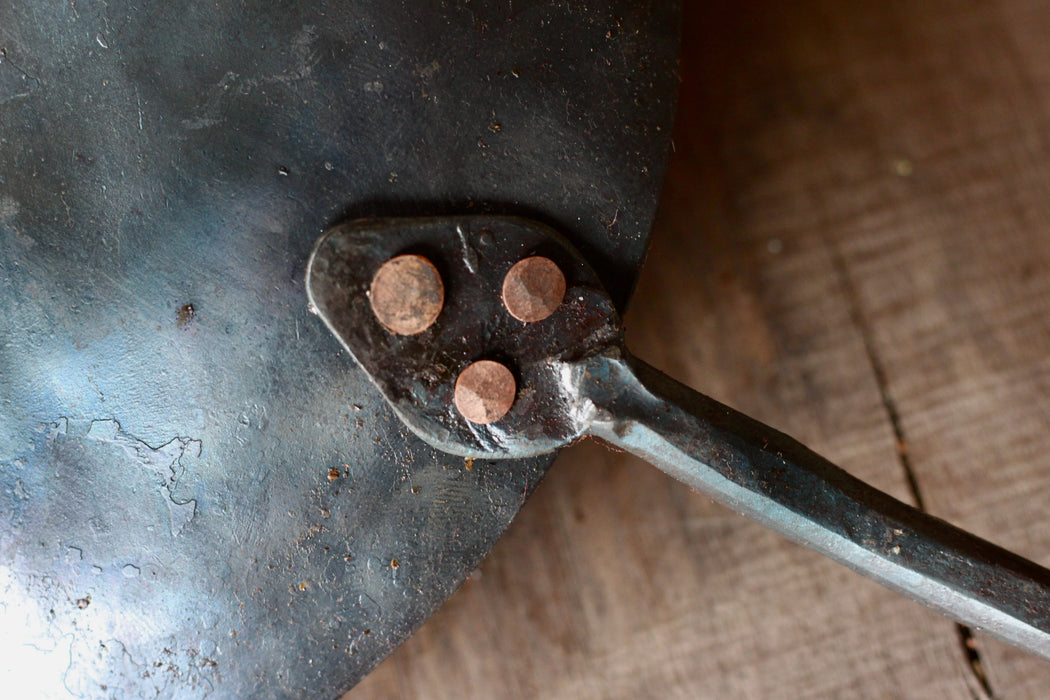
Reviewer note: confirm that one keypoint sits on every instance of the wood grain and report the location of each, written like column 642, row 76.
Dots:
column 854, row 246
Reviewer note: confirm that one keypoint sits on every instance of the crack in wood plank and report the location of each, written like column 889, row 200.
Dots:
column 970, row 647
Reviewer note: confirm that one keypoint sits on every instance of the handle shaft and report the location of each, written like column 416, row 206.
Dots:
column 769, row 477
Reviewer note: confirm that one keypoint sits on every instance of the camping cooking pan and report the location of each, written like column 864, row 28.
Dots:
column 300, row 303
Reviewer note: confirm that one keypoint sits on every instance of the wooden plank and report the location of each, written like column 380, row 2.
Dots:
column 954, row 283
column 857, row 222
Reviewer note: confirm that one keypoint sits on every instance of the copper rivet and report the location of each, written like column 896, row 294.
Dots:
column 407, row 294
column 485, row 392
column 533, row 289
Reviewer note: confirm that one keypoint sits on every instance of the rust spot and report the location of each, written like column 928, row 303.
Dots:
column 333, row 474
column 468, row 463
column 184, row 315
column 83, row 602
column 394, row 563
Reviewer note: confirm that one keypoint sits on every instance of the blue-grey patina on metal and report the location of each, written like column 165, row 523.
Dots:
column 199, row 494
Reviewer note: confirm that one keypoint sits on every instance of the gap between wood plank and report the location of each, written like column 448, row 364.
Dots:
column 967, row 639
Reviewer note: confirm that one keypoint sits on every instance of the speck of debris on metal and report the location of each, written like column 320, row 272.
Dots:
column 184, row 315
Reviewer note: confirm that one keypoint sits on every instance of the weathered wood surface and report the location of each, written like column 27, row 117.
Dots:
column 854, row 246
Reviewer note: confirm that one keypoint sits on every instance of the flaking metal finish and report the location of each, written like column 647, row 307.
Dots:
column 580, row 380
column 199, row 495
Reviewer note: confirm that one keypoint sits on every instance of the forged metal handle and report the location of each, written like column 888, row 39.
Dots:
column 769, row 477
column 567, row 374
